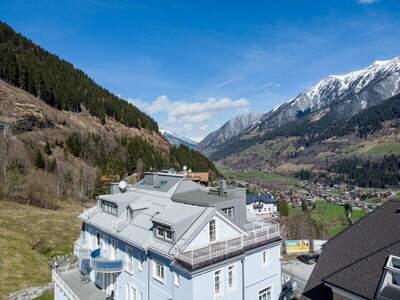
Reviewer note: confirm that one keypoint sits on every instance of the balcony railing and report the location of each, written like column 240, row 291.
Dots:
column 104, row 265
column 61, row 283
column 258, row 233
column 81, row 250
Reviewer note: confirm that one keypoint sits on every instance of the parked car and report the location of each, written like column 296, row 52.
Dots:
column 308, row 259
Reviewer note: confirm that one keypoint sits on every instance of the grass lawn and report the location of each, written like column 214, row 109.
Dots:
column 47, row 296
column 28, row 237
column 357, row 214
column 331, row 217
column 256, row 175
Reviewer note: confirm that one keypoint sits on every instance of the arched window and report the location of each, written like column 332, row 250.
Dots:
column 211, row 232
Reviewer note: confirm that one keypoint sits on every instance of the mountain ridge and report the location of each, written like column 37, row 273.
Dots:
column 228, row 130
column 177, row 140
column 337, row 97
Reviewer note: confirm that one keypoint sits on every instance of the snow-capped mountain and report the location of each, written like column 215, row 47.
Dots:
column 229, row 130
column 178, row 140
column 342, row 95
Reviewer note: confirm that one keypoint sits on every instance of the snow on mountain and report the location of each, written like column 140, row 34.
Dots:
column 178, row 140
column 229, row 130
column 345, row 95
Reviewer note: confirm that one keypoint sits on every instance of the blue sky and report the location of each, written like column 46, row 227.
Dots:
column 192, row 65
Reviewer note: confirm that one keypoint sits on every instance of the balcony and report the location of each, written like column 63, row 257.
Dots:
column 257, row 234
column 69, row 281
column 104, row 265
column 81, row 250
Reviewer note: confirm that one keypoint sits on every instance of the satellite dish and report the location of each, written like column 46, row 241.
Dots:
column 184, row 168
column 122, row 186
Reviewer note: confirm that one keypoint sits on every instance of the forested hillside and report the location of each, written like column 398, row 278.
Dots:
column 55, row 81
column 48, row 155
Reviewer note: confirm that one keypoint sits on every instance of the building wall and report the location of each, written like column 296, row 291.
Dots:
column 266, row 209
column 223, row 231
column 259, row 276
column 199, row 286
column 203, row 283
column 140, row 279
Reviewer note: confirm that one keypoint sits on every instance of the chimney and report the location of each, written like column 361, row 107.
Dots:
column 222, row 187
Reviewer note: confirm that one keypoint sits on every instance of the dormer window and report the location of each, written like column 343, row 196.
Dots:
column 164, row 232
column 168, row 234
column 160, row 231
column 109, row 207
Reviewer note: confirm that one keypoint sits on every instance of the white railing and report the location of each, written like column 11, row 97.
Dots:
column 59, row 282
column 256, row 233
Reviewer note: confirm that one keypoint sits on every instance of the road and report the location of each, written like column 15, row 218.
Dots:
column 299, row 272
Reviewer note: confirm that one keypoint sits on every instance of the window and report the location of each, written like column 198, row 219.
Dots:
column 218, row 283
column 132, row 293
column 265, row 294
column 176, row 279
column 140, row 262
column 168, row 234
column 98, row 239
column 158, row 271
column 129, row 260
column 212, row 232
column 265, row 257
column 109, row 207
column 228, row 211
column 160, row 231
column 231, row 277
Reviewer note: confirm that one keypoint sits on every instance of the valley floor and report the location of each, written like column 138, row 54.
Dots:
column 29, row 236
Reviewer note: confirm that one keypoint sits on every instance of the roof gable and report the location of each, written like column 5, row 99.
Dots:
column 362, row 245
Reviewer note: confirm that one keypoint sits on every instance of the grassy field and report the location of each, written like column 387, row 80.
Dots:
column 256, row 175
column 331, row 217
column 385, row 149
column 29, row 236
column 47, row 296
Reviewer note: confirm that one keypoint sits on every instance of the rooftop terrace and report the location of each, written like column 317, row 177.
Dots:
column 257, row 235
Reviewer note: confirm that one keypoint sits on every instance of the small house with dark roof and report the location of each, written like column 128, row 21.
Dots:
column 260, row 204
column 362, row 262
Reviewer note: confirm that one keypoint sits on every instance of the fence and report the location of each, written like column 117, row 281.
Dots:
column 256, row 233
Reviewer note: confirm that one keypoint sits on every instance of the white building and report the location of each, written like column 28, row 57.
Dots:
column 261, row 204
column 167, row 237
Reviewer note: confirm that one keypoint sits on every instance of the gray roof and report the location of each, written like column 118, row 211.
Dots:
column 354, row 260
column 152, row 205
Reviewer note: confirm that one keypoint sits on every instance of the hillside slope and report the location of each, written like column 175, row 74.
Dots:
column 57, row 82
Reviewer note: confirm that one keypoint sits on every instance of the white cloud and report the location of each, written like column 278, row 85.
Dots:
column 367, row 1
column 191, row 119
column 189, row 111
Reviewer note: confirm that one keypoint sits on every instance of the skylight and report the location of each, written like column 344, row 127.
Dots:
column 161, row 184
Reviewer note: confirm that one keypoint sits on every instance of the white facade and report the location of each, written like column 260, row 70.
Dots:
column 261, row 208
column 206, row 256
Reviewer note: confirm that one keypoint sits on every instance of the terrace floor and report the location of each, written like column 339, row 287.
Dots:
column 87, row 291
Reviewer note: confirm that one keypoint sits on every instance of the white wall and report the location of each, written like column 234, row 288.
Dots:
column 268, row 208
column 224, row 231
